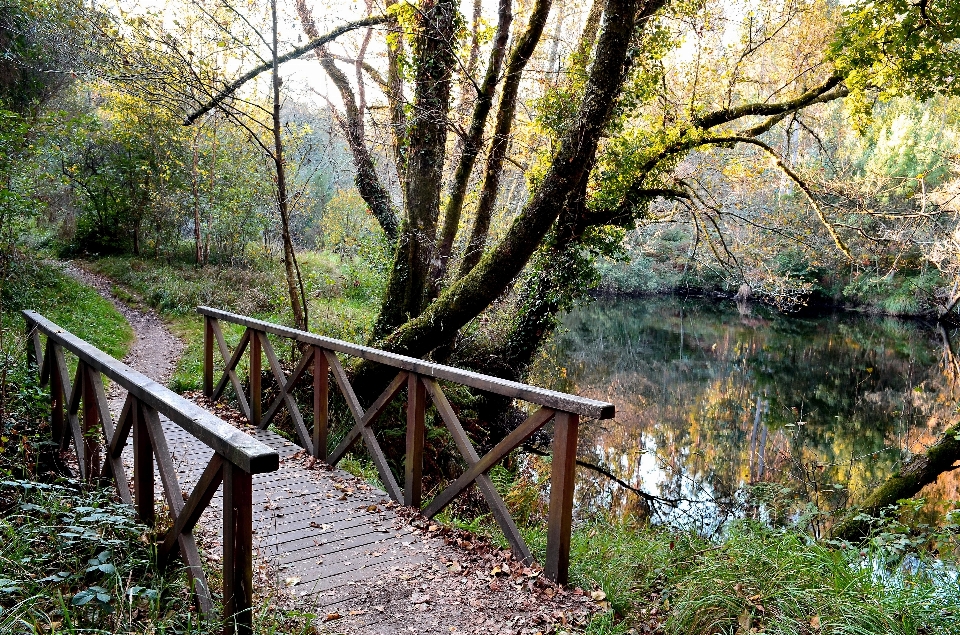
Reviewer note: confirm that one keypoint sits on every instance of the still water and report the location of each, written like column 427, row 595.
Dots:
column 716, row 399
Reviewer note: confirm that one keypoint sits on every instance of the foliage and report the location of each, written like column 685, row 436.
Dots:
column 73, row 560
column 896, row 47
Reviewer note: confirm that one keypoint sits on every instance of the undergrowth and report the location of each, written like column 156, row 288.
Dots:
column 72, row 559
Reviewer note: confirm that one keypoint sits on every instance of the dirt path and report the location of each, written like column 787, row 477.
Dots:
column 155, row 350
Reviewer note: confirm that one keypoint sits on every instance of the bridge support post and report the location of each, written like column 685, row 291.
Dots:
column 237, row 551
column 208, row 338
column 256, row 368
column 142, row 466
column 562, row 481
column 321, row 399
column 413, row 476
column 90, row 428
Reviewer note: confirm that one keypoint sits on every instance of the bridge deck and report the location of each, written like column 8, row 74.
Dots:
column 322, row 533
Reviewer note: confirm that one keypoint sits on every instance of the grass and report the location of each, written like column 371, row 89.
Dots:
column 73, row 560
column 753, row 579
column 44, row 288
column 343, row 296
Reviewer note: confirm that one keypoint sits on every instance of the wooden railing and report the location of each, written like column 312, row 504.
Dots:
column 79, row 413
column 420, row 379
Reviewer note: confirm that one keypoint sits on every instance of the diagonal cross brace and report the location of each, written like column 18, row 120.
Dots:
column 174, row 496
column 285, row 395
column 363, row 422
column 229, row 371
column 497, row 507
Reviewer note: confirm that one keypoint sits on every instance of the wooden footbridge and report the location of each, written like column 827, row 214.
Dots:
column 318, row 527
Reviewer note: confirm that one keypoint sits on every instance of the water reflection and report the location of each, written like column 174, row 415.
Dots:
column 711, row 397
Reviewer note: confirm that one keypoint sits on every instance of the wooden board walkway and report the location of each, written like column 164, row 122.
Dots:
column 322, row 533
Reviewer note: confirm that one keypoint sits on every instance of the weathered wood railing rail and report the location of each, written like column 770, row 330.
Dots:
column 236, row 457
column 420, row 378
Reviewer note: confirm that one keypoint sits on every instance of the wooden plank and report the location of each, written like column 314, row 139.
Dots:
column 143, row 486
column 287, row 386
column 321, row 585
column 229, row 371
column 57, row 393
column 91, row 423
column 550, row 398
column 416, row 434
column 336, row 539
column 174, row 496
column 112, row 464
column 343, row 382
column 497, row 507
column 233, row 444
column 200, row 497
column 321, row 403
column 369, row 417
column 230, row 362
column 73, row 407
column 562, row 483
column 47, row 358
column 237, row 551
column 292, row 408
column 511, row 442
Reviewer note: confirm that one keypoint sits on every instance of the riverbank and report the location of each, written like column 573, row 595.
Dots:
column 798, row 289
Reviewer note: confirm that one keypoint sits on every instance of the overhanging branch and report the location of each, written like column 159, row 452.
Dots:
column 793, row 176
column 233, row 86
column 725, row 115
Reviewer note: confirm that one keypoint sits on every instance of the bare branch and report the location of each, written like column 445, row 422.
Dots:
column 233, row 86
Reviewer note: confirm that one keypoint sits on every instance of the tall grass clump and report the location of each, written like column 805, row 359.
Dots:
column 760, row 579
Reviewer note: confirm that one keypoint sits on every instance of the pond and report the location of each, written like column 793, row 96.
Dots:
column 715, row 399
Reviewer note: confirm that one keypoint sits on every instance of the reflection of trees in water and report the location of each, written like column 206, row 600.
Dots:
column 711, row 398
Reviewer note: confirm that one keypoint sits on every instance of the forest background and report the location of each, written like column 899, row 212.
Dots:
column 444, row 180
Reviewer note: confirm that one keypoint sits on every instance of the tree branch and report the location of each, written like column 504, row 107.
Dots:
column 726, row 115
column 793, row 176
column 233, row 86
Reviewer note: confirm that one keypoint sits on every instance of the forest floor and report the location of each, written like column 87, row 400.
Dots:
column 471, row 586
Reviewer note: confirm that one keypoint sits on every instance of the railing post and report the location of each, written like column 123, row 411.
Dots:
column 208, row 338
column 321, row 397
column 237, row 551
column 28, row 338
column 90, row 427
column 142, row 466
column 56, row 395
column 413, row 478
column 562, row 482
column 256, row 365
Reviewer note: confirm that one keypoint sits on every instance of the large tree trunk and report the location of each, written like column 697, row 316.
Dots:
column 471, row 145
column 916, row 473
column 195, row 192
column 426, row 149
column 501, row 134
column 496, row 271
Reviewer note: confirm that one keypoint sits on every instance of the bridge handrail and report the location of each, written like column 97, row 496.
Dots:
column 80, row 413
column 233, row 444
column 541, row 396
column 419, row 377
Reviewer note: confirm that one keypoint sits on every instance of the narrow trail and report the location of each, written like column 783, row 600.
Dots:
column 155, row 350
column 330, row 544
